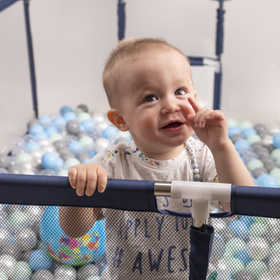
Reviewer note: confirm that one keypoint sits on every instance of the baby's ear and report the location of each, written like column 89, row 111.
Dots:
column 117, row 120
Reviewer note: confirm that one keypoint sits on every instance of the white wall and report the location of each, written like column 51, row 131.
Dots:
column 73, row 38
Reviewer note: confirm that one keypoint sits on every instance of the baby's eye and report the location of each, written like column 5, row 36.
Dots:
column 180, row 91
column 150, row 98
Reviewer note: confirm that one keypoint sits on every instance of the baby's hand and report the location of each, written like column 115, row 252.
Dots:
column 85, row 178
column 209, row 125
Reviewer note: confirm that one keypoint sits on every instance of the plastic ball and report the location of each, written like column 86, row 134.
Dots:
column 50, row 160
column 243, row 256
column 257, row 229
column 276, row 140
column 3, row 171
column 87, row 271
column 237, row 137
column 23, row 157
column 23, row 271
column 231, row 122
column 59, row 123
column 25, row 239
column 235, row 265
column 3, row 276
column 76, row 147
column 4, row 237
column 84, row 116
column 241, row 144
column 218, row 247
column 233, row 130
column 237, row 226
column 87, row 142
column 69, row 116
column 17, row 219
column 45, row 121
column 248, row 132
column 30, row 146
column 72, row 251
column 83, row 107
column 101, row 144
column 258, row 248
column 266, row 276
column 88, row 125
column 64, row 109
column 256, row 267
column 259, row 171
column 42, row 275
column 266, row 180
column 71, row 161
column 245, row 125
column 11, row 250
column 223, row 269
column 8, row 265
column 254, row 164
column 73, row 127
column 254, row 138
column 40, row 259
column 4, row 161
column 244, row 275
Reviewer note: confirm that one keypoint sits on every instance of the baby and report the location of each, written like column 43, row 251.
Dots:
column 149, row 87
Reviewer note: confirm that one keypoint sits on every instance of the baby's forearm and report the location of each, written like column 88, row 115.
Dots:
column 77, row 221
column 230, row 168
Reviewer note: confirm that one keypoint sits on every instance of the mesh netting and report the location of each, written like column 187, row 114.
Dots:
column 138, row 245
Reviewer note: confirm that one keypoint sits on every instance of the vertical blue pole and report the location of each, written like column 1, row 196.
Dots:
column 31, row 57
column 219, row 51
column 121, row 19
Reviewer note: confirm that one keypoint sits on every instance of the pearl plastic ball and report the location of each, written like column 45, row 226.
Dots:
column 65, row 272
column 8, row 265
column 25, row 239
column 42, row 275
column 4, row 237
column 11, row 250
column 258, row 248
column 87, row 271
column 223, row 269
column 101, row 144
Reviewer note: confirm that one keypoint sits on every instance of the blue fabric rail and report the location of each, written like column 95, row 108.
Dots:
column 255, row 201
column 56, row 190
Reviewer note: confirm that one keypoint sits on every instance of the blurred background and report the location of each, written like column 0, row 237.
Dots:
column 72, row 39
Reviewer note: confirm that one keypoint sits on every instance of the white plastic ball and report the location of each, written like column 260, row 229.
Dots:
column 42, row 274
column 25, row 239
column 101, row 144
column 4, row 237
column 8, row 265
column 65, row 272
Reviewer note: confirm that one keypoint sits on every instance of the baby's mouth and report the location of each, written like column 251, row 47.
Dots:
column 173, row 125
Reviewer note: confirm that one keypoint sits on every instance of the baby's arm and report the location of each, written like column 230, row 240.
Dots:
column 85, row 179
column 211, row 128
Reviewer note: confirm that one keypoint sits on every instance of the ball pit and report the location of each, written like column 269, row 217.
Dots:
column 243, row 247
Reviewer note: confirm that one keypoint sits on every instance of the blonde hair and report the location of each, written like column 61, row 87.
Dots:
column 128, row 50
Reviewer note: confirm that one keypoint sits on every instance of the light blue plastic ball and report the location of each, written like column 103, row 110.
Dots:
column 36, row 129
column 40, row 259
column 45, row 121
column 51, row 130
column 243, row 256
column 59, row 123
column 237, row 226
column 76, row 147
column 266, row 180
column 233, row 130
column 71, row 251
column 64, row 109
column 88, row 125
column 249, row 131
column 242, row 144
column 276, row 140
column 30, row 146
column 70, row 116
column 50, row 160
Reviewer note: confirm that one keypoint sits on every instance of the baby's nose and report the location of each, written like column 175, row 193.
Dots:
column 170, row 105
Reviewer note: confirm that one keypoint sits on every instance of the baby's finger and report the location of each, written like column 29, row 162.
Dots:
column 201, row 118
column 72, row 176
column 195, row 105
column 91, row 181
column 102, row 180
column 81, row 181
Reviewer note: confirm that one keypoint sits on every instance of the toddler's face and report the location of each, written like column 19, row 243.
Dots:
column 154, row 102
